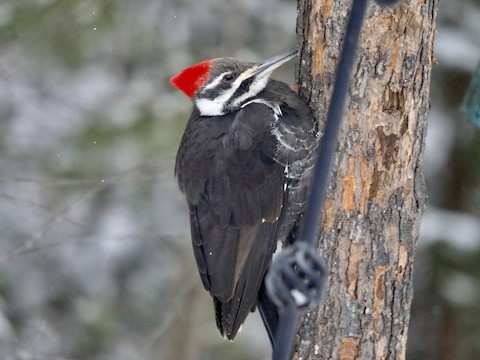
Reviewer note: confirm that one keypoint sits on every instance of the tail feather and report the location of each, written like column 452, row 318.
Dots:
column 231, row 314
column 269, row 312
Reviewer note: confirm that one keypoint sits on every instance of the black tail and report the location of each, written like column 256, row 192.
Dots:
column 268, row 311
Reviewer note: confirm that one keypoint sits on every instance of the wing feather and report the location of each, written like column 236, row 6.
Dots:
column 235, row 191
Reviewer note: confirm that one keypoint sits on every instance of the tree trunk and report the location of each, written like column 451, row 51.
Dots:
column 376, row 195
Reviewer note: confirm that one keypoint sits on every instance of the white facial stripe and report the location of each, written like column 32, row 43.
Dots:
column 228, row 94
column 215, row 107
column 209, row 107
column 257, row 86
column 217, row 80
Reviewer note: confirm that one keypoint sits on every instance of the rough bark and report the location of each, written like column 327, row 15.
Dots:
column 376, row 195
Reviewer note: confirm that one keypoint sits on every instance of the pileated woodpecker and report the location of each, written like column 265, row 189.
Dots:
column 243, row 164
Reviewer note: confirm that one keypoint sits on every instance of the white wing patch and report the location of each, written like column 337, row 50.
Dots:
column 279, row 136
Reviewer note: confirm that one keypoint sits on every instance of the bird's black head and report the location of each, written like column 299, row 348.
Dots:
column 223, row 85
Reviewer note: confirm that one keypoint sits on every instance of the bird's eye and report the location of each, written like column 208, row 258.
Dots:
column 228, row 78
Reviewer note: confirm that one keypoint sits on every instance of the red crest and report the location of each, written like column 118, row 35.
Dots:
column 192, row 78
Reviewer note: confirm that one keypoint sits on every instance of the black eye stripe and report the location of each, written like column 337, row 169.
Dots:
column 242, row 89
column 224, row 85
column 209, row 93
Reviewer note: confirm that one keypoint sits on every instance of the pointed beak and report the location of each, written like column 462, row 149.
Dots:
column 271, row 64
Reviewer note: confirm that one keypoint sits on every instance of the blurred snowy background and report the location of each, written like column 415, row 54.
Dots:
column 95, row 258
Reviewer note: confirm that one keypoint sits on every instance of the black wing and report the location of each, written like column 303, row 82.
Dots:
column 235, row 190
